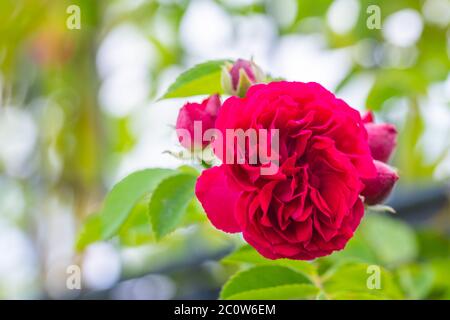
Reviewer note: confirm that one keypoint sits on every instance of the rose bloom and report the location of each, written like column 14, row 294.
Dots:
column 312, row 205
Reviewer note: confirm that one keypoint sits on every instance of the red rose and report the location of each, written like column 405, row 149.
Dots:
column 205, row 113
column 311, row 206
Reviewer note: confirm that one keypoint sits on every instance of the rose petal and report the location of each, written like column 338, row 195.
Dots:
column 218, row 199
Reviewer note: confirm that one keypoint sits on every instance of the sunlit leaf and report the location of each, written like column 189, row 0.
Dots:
column 356, row 278
column 263, row 280
column 169, row 202
column 248, row 255
column 283, row 292
column 357, row 249
column 136, row 230
column 392, row 241
column 89, row 233
column 201, row 79
column 125, row 195
column 194, row 212
column 416, row 280
column 353, row 295
column 441, row 267
column 394, row 83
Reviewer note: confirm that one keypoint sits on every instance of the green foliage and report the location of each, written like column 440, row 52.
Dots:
column 392, row 241
column 90, row 232
column 441, row 283
column 342, row 279
column 194, row 212
column 381, row 242
column 416, row 280
column 124, row 196
column 279, row 292
column 201, row 79
column 248, row 255
column 397, row 245
column 433, row 244
column 394, row 83
column 145, row 206
column 169, row 203
column 343, row 275
column 136, row 229
column 264, row 282
column 351, row 278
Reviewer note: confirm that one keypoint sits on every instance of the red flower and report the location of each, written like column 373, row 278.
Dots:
column 205, row 113
column 311, row 206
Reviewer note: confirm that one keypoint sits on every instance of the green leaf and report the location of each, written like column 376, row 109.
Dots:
column 169, row 202
column 270, row 279
column 136, row 230
column 392, row 241
column 124, row 196
column 188, row 169
column 90, row 232
column 283, row 292
column 194, row 212
column 354, row 278
column 357, row 250
column 394, row 83
column 441, row 267
column 397, row 245
column 248, row 255
column 416, row 280
column 344, row 295
column 201, row 79
column 433, row 244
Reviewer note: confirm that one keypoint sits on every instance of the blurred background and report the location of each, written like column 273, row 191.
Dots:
column 79, row 111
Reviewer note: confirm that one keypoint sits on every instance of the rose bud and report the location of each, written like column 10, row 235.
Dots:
column 197, row 115
column 382, row 138
column 238, row 77
column 378, row 189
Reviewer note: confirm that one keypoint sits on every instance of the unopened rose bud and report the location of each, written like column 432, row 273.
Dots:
column 194, row 119
column 382, row 138
column 238, row 77
column 378, row 189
